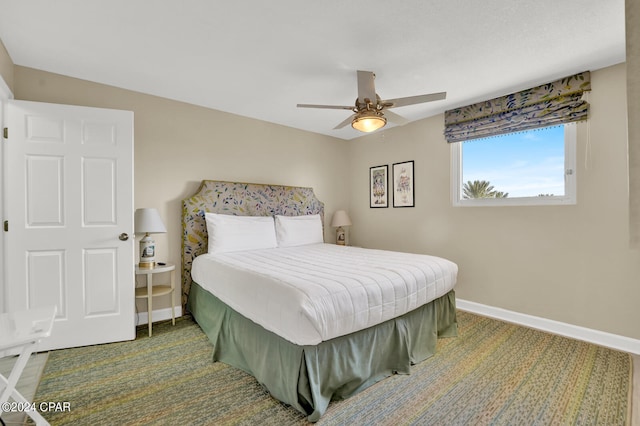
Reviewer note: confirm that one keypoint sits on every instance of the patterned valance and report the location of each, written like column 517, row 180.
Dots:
column 547, row 105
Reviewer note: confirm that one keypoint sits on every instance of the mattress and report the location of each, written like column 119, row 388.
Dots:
column 313, row 293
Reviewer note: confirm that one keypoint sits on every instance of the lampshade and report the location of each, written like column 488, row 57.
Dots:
column 148, row 221
column 368, row 121
column 340, row 218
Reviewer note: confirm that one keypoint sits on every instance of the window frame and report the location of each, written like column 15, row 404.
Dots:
column 570, row 197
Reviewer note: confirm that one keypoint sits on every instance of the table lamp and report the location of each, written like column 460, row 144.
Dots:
column 148, row 221
column 340, row 219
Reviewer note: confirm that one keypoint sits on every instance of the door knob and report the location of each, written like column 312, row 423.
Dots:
column 124, row 236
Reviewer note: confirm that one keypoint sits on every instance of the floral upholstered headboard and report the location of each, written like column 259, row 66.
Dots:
column 241, row 199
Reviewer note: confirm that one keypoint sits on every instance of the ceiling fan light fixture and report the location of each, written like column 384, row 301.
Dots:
column 368, row 121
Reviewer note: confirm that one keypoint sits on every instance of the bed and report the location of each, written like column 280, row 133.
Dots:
column 322, row 322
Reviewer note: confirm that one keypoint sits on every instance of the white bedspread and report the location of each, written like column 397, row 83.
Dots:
column 312, row 293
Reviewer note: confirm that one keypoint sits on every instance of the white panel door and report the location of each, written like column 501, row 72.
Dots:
column 69, row 203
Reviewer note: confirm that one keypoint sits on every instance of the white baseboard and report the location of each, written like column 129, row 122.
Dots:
column 613, row 341
column 158, row 315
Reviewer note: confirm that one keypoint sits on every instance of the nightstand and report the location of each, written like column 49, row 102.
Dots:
column 151, row 291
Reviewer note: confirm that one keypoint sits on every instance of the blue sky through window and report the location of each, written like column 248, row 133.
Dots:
column 524, row 164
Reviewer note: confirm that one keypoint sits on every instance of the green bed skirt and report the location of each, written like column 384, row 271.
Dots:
column 309, row 377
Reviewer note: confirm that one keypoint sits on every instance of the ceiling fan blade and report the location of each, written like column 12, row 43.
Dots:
column 366, row 87
column 395, row 118
column 412, row 100
column 345, row 122
column 325, row 106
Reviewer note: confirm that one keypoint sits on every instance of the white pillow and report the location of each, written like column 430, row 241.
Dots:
column 234, row 233
column 298, row 230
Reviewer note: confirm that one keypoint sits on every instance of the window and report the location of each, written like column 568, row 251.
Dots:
column 534, row 167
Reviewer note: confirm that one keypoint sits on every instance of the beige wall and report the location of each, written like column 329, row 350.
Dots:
column 632, row 29
column 177, row 145
column 567, row 263
column 6, row 66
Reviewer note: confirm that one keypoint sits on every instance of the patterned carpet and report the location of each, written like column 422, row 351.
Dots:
column 494, row 373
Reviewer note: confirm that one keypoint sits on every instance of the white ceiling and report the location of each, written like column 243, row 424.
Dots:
column 260, row 58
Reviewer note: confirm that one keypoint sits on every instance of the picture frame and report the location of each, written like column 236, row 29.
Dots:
column 379, row 186
column 403, row 184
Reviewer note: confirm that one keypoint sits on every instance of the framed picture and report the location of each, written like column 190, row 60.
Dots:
column 378, row 186
column 403, row 184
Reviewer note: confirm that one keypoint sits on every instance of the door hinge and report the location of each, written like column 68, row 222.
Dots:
column 6, row 226
column 6, row 133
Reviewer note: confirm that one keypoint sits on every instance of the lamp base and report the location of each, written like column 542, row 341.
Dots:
column 147, row 252
column 340, row 236
column 147, row 265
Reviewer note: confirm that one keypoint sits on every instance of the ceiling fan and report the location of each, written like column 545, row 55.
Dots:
column 371, row 112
